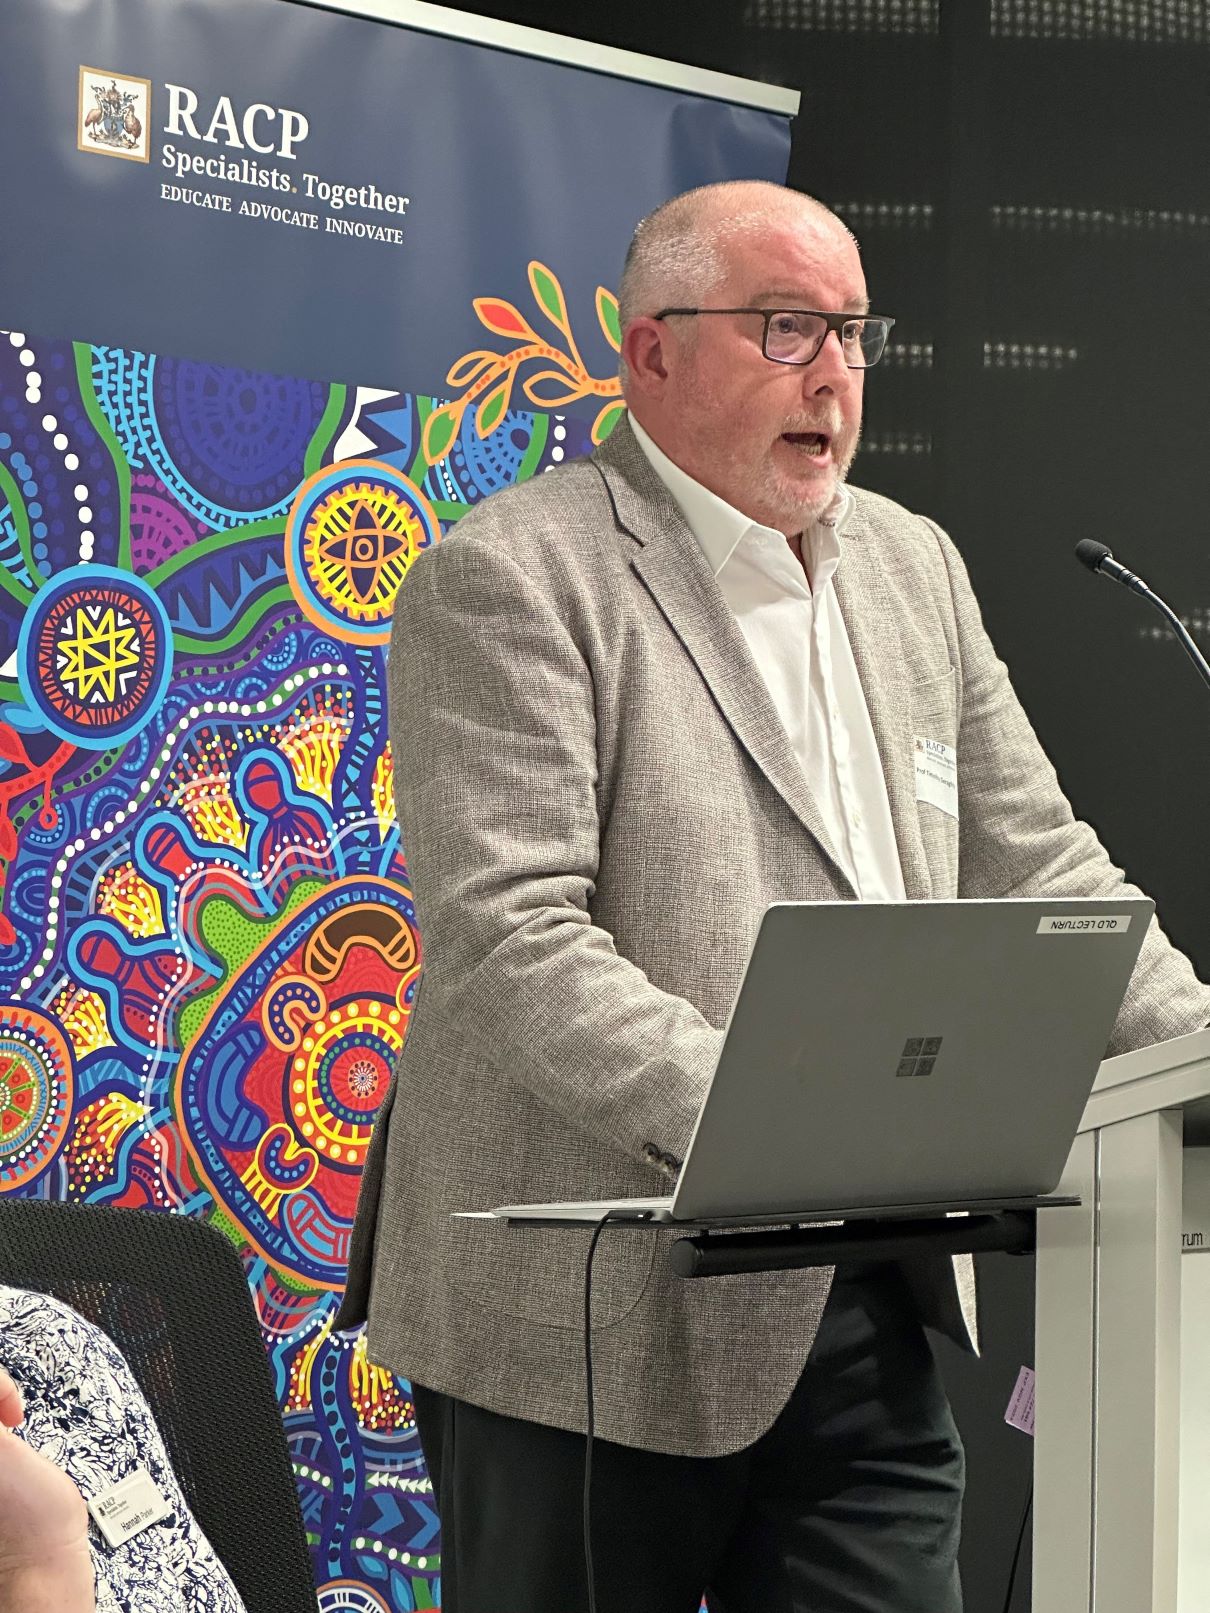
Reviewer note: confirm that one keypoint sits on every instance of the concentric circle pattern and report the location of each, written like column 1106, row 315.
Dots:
column 238, row 435
column 341, row 1075
column 94, row 656
column 353, row 532
column 279, row 1090
column 35, row 1093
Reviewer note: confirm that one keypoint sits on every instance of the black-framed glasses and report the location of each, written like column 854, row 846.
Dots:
column 797, row 335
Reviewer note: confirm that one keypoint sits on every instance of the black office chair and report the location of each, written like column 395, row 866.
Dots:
column 172, row 1295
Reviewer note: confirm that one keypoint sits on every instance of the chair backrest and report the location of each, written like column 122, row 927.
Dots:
column 172, row 1295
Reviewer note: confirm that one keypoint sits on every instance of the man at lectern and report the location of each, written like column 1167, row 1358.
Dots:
column 633, row 702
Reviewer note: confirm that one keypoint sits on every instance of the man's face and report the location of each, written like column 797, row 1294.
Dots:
column 747, row 428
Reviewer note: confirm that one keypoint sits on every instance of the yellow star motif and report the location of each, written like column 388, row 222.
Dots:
column 99, row 652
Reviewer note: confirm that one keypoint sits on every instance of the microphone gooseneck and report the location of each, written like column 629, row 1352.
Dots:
column 1098, row 557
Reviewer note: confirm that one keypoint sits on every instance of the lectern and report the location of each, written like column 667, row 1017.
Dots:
column 1107, row 1353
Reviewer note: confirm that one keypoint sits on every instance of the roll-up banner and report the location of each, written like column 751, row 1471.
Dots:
column 286, row 291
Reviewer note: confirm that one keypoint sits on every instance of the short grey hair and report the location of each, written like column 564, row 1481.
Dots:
column 676, row 257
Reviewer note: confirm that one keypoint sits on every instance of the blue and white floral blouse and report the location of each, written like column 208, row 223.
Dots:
column 85, row 1411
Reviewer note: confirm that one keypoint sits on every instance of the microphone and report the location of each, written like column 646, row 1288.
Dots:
column 1098, row 557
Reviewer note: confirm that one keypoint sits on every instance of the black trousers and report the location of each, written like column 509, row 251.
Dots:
column 850, row 1503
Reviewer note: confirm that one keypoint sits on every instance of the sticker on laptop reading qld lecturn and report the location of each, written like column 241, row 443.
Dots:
column 1084, row 924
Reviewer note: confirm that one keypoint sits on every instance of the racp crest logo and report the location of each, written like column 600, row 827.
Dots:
column 114, row 114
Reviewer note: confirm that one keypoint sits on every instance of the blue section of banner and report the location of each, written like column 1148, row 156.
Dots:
column 261, row 183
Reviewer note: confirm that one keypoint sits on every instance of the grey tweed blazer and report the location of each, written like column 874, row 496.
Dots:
column 597, row 801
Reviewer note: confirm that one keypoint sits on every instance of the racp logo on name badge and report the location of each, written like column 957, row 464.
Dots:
column 114, row 115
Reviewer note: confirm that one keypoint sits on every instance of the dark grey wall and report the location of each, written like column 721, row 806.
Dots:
column 1029, row 182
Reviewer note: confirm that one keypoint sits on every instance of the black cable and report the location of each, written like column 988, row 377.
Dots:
column 1012, row 1573
column 590, row 1408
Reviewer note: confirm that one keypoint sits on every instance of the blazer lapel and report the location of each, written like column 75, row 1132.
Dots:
column 870, row 617
column 671, row 565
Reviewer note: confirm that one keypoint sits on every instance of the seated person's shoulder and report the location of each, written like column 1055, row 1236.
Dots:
column 84, row 1412
column 40, row 1329
column 67, row 1366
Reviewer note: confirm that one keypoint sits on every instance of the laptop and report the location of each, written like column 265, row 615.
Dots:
column 896, row 1057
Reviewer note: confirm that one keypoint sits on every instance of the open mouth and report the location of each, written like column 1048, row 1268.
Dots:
column 814, row 443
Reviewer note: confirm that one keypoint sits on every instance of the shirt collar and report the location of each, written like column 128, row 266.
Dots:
column 720, row 528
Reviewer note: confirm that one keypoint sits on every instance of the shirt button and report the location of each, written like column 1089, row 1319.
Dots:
column 857, row 820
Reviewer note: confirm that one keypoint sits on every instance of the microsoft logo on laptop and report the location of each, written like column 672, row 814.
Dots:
column 919, row 1055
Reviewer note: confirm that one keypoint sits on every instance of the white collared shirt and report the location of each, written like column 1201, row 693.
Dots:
column 798, row 639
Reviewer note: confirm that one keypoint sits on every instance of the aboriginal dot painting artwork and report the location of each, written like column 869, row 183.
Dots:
column 208, row 953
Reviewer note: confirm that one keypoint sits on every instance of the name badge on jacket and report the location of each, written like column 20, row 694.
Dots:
column 936, row 774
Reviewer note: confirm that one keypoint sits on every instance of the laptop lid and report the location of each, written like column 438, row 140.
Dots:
column 909, row 1052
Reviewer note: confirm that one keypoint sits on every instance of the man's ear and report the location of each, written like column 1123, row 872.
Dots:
column 645, row 352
